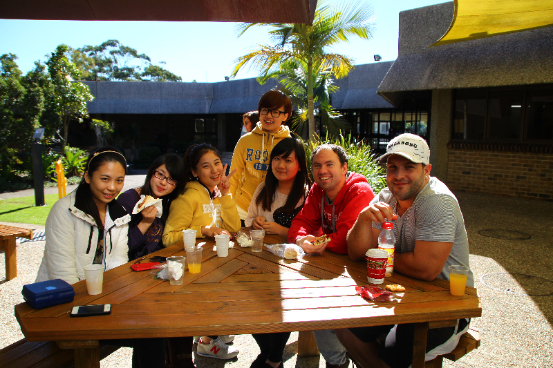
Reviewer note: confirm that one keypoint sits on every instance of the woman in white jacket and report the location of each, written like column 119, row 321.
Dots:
column 88, row 226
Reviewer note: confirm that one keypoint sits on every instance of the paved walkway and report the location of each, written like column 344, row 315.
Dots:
column 511, row 253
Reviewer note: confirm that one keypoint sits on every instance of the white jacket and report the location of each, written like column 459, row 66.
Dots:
column 72, row 238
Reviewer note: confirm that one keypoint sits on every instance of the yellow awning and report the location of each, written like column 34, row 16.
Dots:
column 475, row 19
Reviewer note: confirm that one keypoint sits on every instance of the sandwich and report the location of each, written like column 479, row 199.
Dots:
column 146, row 202
column 321, row 240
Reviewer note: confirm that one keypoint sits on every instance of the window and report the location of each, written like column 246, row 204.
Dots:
column 205, row 130
column 516, row 114
column 540, row 115
column 470, row 115
column 379, row 126
column 505, row 115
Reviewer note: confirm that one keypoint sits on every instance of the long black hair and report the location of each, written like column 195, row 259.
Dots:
column 175, row 166
column 193, row 155
column 84, row 200
column 301, row 183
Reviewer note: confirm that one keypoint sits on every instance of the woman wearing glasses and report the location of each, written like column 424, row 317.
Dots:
column 251, row 154
column 163, row 180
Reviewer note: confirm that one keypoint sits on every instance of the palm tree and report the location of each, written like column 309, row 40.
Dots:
column 309, row 44
column 292, row 76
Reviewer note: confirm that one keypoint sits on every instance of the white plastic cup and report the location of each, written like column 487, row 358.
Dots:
column 222, row 244
column 94, row 275
column 189, row 237
column 377, row 260
column 175, row 267
column 257, row 238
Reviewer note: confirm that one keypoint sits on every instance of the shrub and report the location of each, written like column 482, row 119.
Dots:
column 74, row 161
column 360, row 158
column 49, row 164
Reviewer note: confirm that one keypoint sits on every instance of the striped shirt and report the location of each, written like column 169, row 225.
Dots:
column 434, row 216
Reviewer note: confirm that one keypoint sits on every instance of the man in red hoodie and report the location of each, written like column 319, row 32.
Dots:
column 331, row 208
column 333, row 203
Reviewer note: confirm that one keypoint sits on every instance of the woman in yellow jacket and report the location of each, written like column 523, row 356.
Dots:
column 250, row 160
column 206, row 205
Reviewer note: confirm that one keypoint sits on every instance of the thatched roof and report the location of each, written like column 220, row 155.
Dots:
column 512, row 59
column 358, row 89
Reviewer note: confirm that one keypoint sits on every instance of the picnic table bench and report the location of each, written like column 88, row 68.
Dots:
column 8, row 234
column 251, row 293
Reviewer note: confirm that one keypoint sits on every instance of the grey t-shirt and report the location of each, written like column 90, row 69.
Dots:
column 435, row 216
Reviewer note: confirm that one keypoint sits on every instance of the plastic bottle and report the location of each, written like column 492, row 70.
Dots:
column 386, row 241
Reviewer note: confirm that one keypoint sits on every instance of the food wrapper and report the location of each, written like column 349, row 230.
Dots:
column 243, row 239
column 160, row 272
column 157, row 203
column 374, row 293
column 286, row 251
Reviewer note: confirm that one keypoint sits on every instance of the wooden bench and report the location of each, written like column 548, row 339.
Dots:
column 468, row 342
column 8, row 234
column 42, row 354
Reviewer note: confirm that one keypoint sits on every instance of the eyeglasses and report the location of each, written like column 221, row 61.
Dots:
column 162, row 177
column 274, row 112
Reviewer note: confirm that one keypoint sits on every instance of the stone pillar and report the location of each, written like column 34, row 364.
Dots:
column 440, row 132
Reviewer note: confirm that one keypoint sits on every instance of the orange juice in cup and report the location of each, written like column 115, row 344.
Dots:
column 194, row 267
column 194, row 260
column 458, row 279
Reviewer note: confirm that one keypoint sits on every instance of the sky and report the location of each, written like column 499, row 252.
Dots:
column 200, row 51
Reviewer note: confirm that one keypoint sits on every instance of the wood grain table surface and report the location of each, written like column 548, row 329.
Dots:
column 243, row 293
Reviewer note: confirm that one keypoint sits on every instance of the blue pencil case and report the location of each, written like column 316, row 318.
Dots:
column 48, row 293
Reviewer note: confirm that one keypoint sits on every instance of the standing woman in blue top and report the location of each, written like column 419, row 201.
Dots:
column 164, row 180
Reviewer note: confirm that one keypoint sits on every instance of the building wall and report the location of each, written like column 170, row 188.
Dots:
column 509, row 174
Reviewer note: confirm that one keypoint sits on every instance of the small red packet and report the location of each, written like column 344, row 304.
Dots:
column 144, row 266
column 374, row 293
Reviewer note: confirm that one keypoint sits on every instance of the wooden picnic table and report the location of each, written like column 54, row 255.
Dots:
column 243, row 293
column 8, row 235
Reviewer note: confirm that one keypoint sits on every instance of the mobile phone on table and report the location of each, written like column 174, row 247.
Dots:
column 158, row 259
column 91, row 310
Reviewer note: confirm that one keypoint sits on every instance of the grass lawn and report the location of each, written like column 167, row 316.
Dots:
column 23, row 209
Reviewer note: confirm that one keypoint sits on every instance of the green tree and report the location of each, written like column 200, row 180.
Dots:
column 70, row 97
column 112, row 61
column 21, row 104
column 292, row 76
column 40, row 79
column 310, row 44
column 158, row 74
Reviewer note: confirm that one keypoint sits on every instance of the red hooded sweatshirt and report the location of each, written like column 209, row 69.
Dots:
column 339, row 216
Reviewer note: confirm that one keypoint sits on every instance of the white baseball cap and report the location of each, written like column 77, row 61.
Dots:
column 410, row 146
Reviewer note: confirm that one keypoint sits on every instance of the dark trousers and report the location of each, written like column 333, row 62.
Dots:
column 272, row 345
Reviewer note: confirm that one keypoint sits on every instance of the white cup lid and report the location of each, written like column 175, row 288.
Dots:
column 377, row 253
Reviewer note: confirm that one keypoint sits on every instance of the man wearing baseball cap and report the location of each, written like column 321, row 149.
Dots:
column 430, row 236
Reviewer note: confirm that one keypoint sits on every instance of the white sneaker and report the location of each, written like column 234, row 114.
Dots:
column 227, row 339
column 216, row 349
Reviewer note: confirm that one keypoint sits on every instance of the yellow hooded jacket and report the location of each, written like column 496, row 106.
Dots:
column 194, row 209
column 251, row 161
